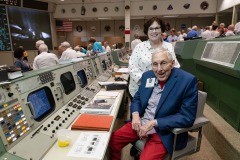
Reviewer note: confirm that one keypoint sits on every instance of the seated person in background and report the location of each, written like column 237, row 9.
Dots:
column 135, row 41
column 172, row 37
column 164, row 37
column 68, row 53
column 207, row 33
column 79, row 53
column 25, row 54
column 20, row 63
column 166, row 99
column 38, row 43
column 106, row 47
column 193, row 32
column 44, row 59
column 230, row 31
column 96, row 46
column 89, row 50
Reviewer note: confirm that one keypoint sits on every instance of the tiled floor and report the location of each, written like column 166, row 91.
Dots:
column 206, row 152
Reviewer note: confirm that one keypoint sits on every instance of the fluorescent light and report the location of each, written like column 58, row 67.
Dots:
column 62, row 0
column 104, row 18
column 205, row 15
column 75, row 19
column 171, row 16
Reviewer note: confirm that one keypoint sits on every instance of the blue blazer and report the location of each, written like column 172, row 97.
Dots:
column 176, row 108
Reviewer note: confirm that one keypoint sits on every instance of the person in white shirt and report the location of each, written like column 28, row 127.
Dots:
column 237, row 28
column 68, row 53
column 106, row 47
column 135, row 41
column 44, row 59
column 140, row 60
column 230, row 31
column 79, row 54
column 207, row 33
column 38, row 43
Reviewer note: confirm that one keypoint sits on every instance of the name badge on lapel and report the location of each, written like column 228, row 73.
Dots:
column 150, row 82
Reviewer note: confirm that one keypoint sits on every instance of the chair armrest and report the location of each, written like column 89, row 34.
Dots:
column 198, row 123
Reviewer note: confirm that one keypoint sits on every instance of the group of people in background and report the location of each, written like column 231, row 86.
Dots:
column 210, row 32
column 66, row 53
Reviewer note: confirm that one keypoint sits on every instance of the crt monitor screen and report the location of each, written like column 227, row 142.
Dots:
column 68, row 82
column 42, row 103
column 82, row 78
column 104, row 65
column 28, row 26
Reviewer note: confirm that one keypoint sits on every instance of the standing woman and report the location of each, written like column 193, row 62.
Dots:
column 140, row 60
column 20, row 63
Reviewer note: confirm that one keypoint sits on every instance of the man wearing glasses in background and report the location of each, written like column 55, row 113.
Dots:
column 166, row 99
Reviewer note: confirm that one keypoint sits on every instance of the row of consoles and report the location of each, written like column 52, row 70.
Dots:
column 34, row 107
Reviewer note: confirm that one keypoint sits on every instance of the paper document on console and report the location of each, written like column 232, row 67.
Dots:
column 90, row 145
column 123, row 70
column 108, row 83
column 106, row 94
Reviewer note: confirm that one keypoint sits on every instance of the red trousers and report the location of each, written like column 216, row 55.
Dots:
column 153, row 149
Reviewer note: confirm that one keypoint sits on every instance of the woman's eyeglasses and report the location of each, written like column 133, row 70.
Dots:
column 154, row 29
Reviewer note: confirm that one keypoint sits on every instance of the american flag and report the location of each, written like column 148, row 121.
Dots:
column 63, row 26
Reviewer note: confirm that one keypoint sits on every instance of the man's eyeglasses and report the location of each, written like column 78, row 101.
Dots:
column 154, row 29
column 163, row 64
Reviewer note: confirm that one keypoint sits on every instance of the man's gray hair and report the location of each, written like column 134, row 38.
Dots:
column 43, row 48
column 39, row 42
column 161, row 50
column 77, row 48
column 65, row 44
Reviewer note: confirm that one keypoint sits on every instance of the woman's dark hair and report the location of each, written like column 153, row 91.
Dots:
column 92, row 40
column 18, row 53
column 150, row 22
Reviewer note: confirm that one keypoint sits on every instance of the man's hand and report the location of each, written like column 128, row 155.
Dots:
column 136, row 122
column 145, row 128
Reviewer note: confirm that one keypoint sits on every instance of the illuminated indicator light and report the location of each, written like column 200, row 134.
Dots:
column 17, row 123
column 27, row 128
column 23, row 127
column 20, row 121
column 24, row 131
column 18, row 127
column 14, row 139
column 1, row 118
column 13, row 135
column 21, row 133
column 5, row 105
column 24, row 122
column 9, row 138
column 22, row 116
column 24, row 119
column 19, row 109
column 11, row 132
column 9, row 114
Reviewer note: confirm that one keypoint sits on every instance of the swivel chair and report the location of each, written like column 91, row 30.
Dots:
column 193, row 144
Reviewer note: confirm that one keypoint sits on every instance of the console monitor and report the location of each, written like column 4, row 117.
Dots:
column 104, row 65
column 42, row 103
column 223, row 53
column 82, row 78
column 68, row 82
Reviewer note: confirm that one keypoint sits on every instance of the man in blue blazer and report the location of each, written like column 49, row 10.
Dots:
column 166, row 99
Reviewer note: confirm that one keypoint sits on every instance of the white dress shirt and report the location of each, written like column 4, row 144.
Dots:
column 207, row 35
column 80, row 54
column 140, row 62
column 68, row 55
column 229, row 33
column 44, row 60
